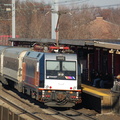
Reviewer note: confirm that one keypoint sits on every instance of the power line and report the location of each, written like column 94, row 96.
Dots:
column 69, row 1
column 105, row 6
column 64, row 3
column 37, row 7
column 75, row 2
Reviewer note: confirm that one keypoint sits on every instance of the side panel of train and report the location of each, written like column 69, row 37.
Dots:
column 33, row 74
column 2, row 48
column 11, row 67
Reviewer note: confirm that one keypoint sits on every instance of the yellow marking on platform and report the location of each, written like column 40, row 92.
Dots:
column 95, row 92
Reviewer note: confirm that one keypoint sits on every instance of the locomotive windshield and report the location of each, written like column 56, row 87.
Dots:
column 61, row 70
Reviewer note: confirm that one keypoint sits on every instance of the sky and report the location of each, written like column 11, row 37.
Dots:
column 91, row 2
column 104, row 2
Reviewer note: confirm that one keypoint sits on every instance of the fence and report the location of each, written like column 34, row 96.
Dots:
column 6, row 114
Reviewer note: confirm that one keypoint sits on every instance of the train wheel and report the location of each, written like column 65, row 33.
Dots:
column 24, row 90
column 33, row 94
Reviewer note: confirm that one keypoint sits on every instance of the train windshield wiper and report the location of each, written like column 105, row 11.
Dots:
column 64, row 68
column 56, row 68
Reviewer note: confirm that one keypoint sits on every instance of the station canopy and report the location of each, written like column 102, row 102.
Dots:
column 104, row 43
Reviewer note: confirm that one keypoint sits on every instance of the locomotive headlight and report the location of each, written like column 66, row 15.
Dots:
column 47, row 86
column 74, row 88
column 60, row 74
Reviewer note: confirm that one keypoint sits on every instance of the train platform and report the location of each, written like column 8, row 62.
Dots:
column 101, row 100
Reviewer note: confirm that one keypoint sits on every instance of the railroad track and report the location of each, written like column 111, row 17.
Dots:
column 31, row 115
column 37, row 111
column 34, row 109
column 21, row 106
column 77, row 115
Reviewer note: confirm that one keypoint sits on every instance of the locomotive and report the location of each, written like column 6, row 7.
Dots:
column 52, row 78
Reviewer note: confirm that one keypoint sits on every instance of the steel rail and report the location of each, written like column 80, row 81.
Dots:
column 20, row 108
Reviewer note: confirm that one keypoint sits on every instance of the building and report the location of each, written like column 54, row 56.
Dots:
column 102, row 29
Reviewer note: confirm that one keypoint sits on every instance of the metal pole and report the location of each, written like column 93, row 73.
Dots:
column 57, row 30
column 13, row 19
column 113, row 64
column 98, row 59
column 54, row 18
column 88, row 61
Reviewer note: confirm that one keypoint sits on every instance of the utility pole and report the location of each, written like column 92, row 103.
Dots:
column 54, row 18
column 13, row 19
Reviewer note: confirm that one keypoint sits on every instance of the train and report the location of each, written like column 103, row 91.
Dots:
column 51, row 78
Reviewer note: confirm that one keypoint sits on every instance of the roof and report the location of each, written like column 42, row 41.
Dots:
column 110, row 44
column 32, row 40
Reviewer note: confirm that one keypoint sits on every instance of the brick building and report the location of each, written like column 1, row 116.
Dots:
column 4, row 39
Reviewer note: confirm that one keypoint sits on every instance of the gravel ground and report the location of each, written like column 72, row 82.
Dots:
column 105, row 116
column 108, row 116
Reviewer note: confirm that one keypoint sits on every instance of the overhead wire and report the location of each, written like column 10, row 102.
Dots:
column 69, row 1
column 61, row 3
column 72, row 9
column 78, row 1
column 105, row 6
